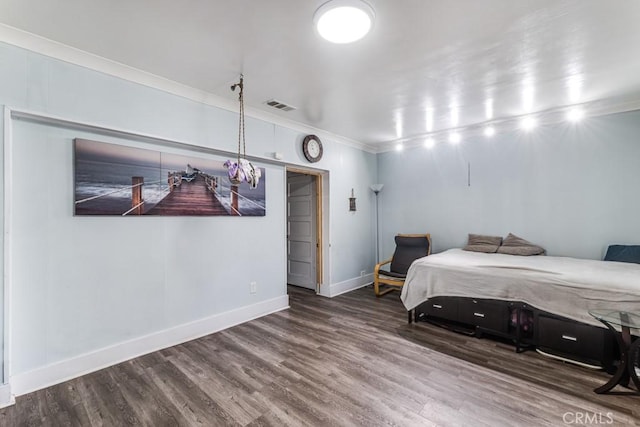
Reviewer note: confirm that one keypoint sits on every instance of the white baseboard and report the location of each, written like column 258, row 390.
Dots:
column 90, row 362
column 350, row 285
column 6, row 398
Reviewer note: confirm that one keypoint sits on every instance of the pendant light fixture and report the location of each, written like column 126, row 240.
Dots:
column 344, row 21
column 242, row 169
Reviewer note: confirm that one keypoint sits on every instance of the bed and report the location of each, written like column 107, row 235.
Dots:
column 568, row 287
column 536, row 302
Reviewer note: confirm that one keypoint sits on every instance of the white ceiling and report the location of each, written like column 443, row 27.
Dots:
column 422, row 55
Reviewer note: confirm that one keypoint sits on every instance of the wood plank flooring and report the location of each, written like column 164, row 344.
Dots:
column 348, row 361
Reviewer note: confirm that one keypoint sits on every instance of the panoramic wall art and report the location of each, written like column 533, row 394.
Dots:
column 116, row 180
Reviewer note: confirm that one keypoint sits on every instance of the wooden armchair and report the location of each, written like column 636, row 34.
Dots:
column 409, row 247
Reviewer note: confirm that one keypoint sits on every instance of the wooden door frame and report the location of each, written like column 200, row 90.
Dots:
column 319, row 176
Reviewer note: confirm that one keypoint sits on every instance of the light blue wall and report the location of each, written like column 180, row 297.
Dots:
column 353, row 242
column 574, row 189
column 85, row 283
column 80, row 284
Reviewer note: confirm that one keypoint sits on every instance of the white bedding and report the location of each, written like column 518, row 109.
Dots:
column 565, row 286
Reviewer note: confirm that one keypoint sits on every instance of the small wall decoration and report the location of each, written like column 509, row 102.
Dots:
column 117, row 180
column 352, row 202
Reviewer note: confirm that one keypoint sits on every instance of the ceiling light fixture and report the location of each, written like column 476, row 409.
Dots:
column 528, row 123
column 344, row 21
column 489, row 131
column 574, row 85
column 429, row 120
column 488, row 109
column 527, row 98
column 455, row 116
column 575, row 115
column 399, row 146
column 429, row 143
column 454, row 138
column 398, row 120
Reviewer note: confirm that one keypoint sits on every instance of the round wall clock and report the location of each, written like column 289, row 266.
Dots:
column 312, row 148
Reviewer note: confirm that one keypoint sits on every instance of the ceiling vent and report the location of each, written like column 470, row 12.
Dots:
column 279, row 105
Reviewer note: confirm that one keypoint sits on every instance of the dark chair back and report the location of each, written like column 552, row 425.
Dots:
column 408, row 249
column 623, row 253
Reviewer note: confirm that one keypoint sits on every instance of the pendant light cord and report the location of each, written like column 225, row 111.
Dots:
column 241, row 140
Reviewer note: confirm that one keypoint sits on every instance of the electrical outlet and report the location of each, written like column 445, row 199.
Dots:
column 253, row 287
column 362, row 273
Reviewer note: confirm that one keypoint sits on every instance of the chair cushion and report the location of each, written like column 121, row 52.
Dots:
column 392, row 274
column 482, row 243
column 514, row 245
column 408, row 249
column 623, row 253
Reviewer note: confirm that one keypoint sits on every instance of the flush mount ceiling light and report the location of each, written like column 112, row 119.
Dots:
column 528, row 123
column 575, row 115
column 344, row 21
column 489, row 131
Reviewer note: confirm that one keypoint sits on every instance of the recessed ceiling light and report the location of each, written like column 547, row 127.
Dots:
column 344, row 21
column 575, row 114
column 429, row 142
column 455, row 138
column 528, row 123
column 399, row 146
column 489, row 131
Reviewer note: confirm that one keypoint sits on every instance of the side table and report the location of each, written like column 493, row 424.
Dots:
column 628, row 350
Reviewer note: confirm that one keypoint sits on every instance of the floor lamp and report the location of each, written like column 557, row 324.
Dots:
column 376, row 188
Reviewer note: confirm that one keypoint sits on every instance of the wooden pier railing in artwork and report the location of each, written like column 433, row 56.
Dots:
column 137, row 201
column 212, row 184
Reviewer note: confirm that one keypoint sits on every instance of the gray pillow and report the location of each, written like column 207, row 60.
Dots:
column 482, row 243
column 514, row 245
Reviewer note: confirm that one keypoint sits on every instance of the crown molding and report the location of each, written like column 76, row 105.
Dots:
column 41, row 45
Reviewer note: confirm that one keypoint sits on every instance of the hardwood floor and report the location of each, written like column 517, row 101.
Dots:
column 352, row 360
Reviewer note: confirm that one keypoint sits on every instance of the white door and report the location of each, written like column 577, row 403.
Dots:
column 301, row 230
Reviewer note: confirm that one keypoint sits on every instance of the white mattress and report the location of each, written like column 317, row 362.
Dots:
column 568, row 287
